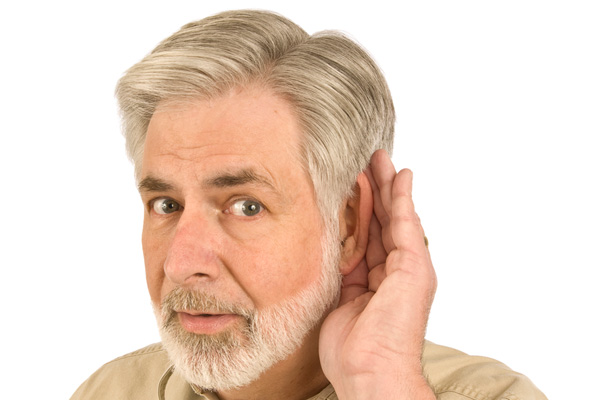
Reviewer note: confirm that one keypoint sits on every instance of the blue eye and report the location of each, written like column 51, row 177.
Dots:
column 165, row 206
column 246, row 208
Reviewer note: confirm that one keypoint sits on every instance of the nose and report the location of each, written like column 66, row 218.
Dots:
column 192, row 254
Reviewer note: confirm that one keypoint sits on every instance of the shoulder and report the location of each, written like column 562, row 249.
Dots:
column 454, row 375
column 133, row 376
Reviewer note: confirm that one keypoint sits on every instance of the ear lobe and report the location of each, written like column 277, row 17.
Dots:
column 355, row 218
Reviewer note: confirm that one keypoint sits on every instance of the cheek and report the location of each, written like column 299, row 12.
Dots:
column 286, row 264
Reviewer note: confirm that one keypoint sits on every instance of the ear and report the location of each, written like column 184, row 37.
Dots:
column 355, row 217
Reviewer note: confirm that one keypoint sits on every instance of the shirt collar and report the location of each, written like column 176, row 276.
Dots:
column 326, row 394
column 162, row 384
column 178, row 388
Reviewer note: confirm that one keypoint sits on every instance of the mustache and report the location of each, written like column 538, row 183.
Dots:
column 180, row 299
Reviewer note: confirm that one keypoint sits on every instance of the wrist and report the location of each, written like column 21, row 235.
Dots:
column 384, row 387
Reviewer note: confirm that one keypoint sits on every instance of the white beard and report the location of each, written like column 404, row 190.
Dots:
column 238, row 356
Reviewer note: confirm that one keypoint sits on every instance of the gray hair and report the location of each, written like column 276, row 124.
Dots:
column 340, row 96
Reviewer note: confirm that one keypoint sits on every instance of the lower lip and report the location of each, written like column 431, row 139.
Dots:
column 207, row 325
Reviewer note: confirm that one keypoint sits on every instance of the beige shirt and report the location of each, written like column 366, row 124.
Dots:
column 148, row 374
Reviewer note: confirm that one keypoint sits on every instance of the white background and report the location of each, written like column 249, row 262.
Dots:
column 498, row 109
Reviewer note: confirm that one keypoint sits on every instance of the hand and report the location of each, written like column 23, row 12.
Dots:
column 371, row 345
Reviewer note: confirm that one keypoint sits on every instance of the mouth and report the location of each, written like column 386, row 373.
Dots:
column 206, row 323
column 198, row 313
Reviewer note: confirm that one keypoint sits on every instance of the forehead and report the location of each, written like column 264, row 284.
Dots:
column 242, row 114
column 250, row 128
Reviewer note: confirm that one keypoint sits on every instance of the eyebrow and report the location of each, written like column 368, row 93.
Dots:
column 238, row 178
column 222, row 180
column 152, row 184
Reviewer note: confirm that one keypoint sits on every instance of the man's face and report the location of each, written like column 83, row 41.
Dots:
column 232, row 235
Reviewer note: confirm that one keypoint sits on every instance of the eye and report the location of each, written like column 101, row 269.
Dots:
column 245, row 208
column 165, row 206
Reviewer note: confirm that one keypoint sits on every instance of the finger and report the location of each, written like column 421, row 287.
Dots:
column 378, row 208
column 415, row 280
column 354, row 284
column 405, row 295
column 406, row 229
column 376, row 252
column 383, row 172
column 376, row 276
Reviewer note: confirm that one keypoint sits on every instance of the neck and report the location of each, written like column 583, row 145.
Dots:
column 298, row 377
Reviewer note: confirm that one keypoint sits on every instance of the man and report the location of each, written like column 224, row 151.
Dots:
column 284, row 258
